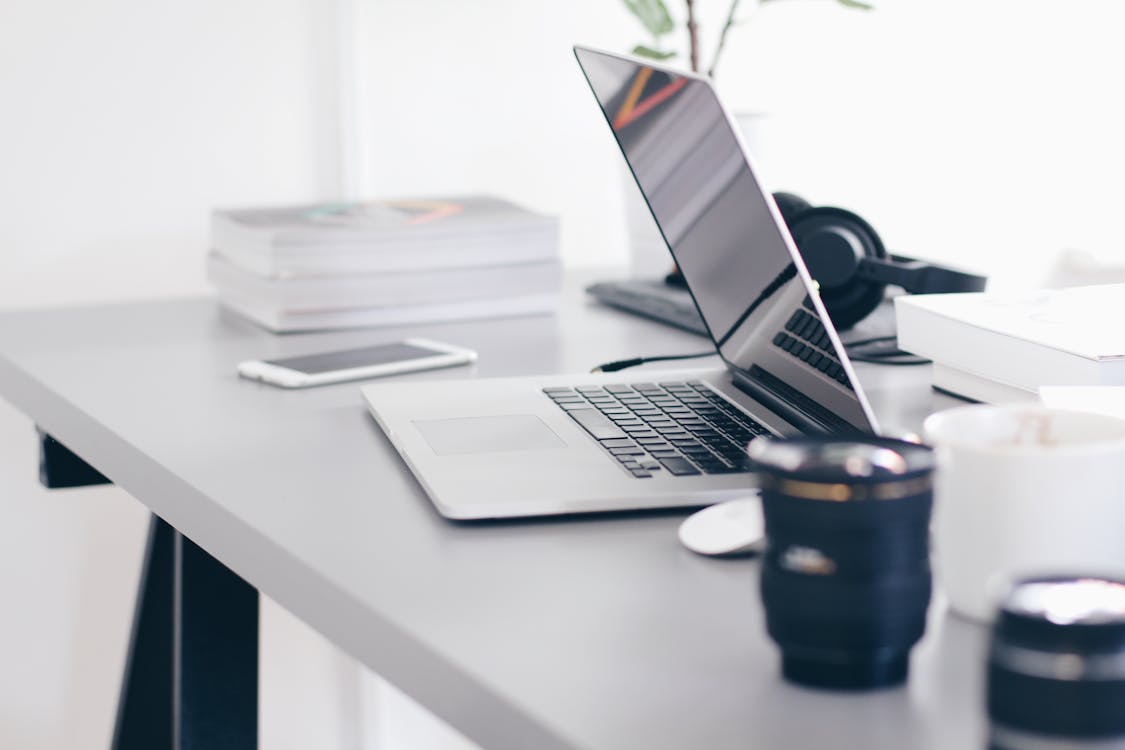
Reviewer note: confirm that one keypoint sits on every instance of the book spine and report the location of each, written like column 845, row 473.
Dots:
column 987, row 354
column 385, row 290
column 974, row 388
column 295, row 234
column 282, row 322
column 229, row 234
column 264, row 260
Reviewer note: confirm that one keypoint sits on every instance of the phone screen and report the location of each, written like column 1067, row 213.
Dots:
column 383, row 354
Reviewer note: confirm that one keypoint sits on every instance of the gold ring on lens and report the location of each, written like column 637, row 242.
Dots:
column 840, row 492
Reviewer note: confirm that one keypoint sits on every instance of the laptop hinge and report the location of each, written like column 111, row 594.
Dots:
column 812, row 420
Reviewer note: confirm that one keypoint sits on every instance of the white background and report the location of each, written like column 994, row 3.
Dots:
column 983, row 133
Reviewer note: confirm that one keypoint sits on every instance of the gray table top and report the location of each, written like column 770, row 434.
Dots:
column 598, row 632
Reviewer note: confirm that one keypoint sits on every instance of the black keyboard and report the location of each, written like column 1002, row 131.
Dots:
column 679, row 428
column 651, row 298
column 804, row 337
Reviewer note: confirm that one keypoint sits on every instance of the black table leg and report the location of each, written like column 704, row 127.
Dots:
column 191, row 677
column 60, row 467
column 191, row 674
column 144, row 709
column 215, row 654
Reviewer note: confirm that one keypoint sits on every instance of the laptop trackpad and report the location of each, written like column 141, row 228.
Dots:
column 508, row 432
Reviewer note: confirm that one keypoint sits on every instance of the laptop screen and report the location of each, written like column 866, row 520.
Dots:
column 727, row 238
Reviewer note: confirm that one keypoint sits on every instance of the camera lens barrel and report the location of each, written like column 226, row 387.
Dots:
column 846, row 574
column 1056, row 668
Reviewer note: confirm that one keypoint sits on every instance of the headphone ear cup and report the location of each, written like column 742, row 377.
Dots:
column 833, row 242
column 790, row 204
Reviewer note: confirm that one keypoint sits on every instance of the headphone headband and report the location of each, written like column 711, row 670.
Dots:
column 919, row 277
column 844, row 253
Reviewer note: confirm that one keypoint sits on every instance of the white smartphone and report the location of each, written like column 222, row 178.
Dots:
column 408, row 355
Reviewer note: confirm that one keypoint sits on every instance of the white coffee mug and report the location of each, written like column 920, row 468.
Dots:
column 1021, row 491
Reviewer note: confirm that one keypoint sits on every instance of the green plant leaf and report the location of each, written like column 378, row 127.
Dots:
column 653, row 54
column 654, row 15
column 857, row 4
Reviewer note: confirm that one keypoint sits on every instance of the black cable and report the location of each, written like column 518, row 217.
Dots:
column 624, row 363
column 892, row 357
column 873, row 340
column 894, row 362
column 875, row 358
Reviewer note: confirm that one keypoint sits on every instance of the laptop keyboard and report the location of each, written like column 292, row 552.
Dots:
column 804, row 337
column 678, row 428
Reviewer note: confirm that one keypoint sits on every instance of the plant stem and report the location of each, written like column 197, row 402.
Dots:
column 693, row 36
column 722, row 36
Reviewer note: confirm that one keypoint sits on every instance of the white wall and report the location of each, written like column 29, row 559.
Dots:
column 125, row 121
column 487, row 96
column 983, row 133
column 986, row 134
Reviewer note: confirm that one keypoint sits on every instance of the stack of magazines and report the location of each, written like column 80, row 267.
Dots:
column 347, row 265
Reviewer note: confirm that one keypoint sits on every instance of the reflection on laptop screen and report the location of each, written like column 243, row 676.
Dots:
column 721, row 230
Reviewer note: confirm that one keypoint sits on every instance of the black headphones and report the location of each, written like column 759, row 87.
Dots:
column 847, row 259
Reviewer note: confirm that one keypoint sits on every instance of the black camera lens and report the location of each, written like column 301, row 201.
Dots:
column 846, row 573
column 1056, row 667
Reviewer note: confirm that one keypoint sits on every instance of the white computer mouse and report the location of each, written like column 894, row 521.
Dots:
column 735, row 527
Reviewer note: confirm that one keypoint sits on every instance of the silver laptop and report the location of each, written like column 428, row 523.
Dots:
column 493, row 448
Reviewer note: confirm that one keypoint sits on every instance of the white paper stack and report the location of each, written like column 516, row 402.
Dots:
column 396, row 262
column 1003, row 347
